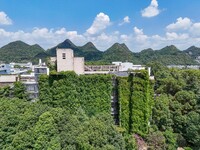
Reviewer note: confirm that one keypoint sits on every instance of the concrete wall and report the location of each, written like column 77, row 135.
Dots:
column 66, row 64
column 79, row 65
column 70, row 63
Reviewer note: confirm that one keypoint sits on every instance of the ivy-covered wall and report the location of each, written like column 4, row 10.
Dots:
column 124, row 98
column 135, row 98
column 90, row 92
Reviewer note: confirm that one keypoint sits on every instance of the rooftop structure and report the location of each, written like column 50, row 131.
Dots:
column 67, row 62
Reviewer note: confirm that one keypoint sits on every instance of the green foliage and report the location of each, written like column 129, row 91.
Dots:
column 168, row 55
column 170, row 137
column 135, row 98
column 92, row 92
column 45, row 94
column 130, row 142
column 124, row 98
column 193, row 129
column 161, row 112
column 19, row 91
column 5, row 91
column 26, row 125
column 177, row 106
column 19, row 51
column 141, row 103
column 193, row 51
column 46, row 133
column 10, row 111
column 118, row 52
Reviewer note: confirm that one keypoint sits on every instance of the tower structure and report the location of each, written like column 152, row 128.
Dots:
column 67, row 62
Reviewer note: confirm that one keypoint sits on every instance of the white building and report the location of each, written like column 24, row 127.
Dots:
column 29, row 81
column 125, row 66
column 67, row 62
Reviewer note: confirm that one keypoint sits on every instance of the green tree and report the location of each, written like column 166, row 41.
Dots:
column 19, row 90
column 193, row 129
column 46, row 133
column 161, row 116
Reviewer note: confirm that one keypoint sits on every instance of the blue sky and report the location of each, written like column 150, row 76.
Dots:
column 138, row 23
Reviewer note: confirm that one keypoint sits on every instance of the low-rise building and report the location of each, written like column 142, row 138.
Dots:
column 29, row 81
column 8, row 80
column 126, row 66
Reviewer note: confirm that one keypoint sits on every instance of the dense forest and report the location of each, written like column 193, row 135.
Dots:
column 74, row 112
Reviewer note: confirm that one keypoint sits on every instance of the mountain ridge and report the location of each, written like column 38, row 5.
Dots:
column 168, row 55
column 19, row 51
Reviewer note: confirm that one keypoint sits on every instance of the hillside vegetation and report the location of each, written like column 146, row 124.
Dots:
column 21, row 52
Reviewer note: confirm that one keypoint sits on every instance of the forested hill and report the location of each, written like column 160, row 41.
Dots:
column 19, row 51
column 120, row 52
column 89, row 51
column 170, row 55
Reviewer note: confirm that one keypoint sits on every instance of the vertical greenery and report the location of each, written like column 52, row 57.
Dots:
column 44, row 89
column 92, row 92
column 135, row 97
column 124, row 97
column 141, row 108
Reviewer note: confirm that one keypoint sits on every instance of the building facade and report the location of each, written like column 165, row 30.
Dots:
column 67, row 62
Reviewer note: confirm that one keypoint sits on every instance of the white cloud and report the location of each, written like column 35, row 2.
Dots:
column 176, row 36
column 185, row 25
column 136, row 40
column 101, row 22
column 43, row 36
column 125, row 21
column 138, row 31
column 139, row 35
column 195, row 29
column 180, row 24
column 152, row 10
column 4, row 19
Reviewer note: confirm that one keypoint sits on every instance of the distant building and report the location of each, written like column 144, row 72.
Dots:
column 29, row 81
column 6, row 80
column 67, row 62
column 197, row 67
column 125, row 66
column 5, row 69
column 21, row 65
column 40, row 69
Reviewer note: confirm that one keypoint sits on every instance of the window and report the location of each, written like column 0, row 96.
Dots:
column 63, row 55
